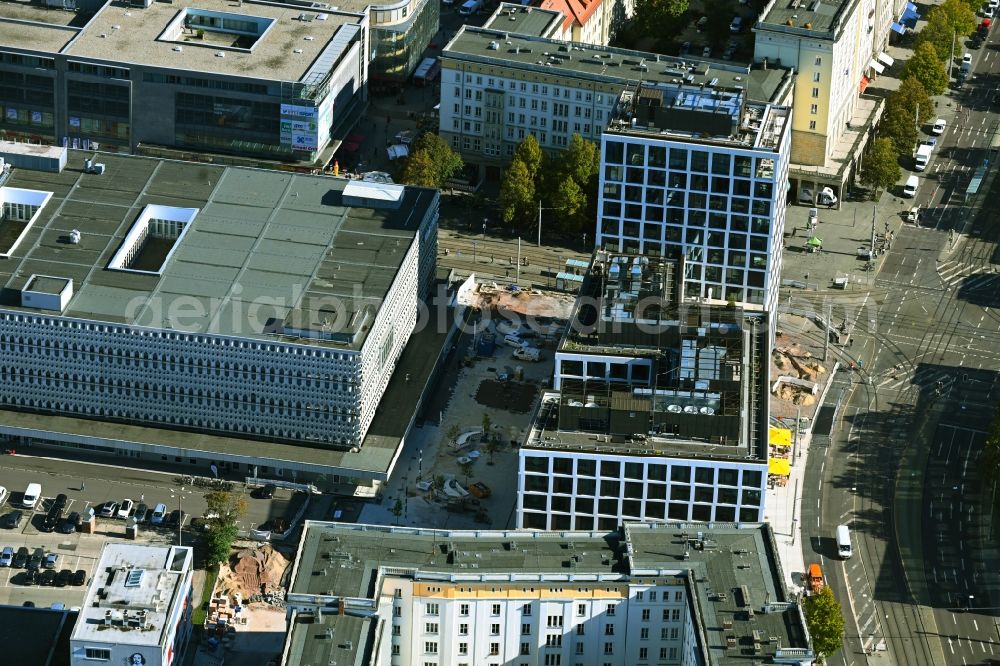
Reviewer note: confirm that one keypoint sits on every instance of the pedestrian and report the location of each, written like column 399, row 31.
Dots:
column 142, row 498
column 491, row 258
column 83, row 486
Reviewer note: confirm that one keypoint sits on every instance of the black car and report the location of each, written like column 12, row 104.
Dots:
column 79, row 578
column 140, row 513
column 29, row 577
column 63, row 578
column 21, row 557
column 53, row 519
column 264, row 492
column 175, row 518
column 996, row 99
column 47, row 577
column 60, row 500
column 71, row 523
column 35, row 561
column 13, row 519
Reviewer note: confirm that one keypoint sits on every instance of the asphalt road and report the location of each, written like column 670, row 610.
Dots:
column 902, row 467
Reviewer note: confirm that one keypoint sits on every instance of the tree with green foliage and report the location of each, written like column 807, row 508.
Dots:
column 570, row 198
column 581, row 160
column 926, row 67
column 487, row 427
column 397, row 510
column 224, row 511
column 517, row 193
column 654, row 18
column 901, row 119
column 529, row 152
column 825, row 620
column 947, row 26
column 880, row 167
column 431, row 162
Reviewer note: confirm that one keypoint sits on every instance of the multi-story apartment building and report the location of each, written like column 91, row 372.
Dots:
column 835, row 49
column 497, row 87
column 700, row 172
column 677, row 594
column 592, row 21
column 268, row 81
column 253, row 307
column 137, row 609
column 659, row 409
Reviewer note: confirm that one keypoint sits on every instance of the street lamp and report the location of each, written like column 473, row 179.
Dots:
column 179, row 494
column 540, row 209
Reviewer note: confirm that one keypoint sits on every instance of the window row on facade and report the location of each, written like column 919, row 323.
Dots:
column 615, row 470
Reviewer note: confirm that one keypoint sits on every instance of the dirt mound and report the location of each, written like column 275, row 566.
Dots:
column 257, row 570
column 796, row 395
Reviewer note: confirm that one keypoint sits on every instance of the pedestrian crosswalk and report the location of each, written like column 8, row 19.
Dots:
column 968, row 276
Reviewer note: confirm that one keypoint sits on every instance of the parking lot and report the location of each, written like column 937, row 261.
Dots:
column 88, row 486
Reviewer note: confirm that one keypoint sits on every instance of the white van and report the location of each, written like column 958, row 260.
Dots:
column 32, row 494
column 844, row 542
column 159, row 513
column 470, row 7
column 910, row 188
column 513, row 340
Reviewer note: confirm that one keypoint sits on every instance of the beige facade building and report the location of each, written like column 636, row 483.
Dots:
column 836, row 50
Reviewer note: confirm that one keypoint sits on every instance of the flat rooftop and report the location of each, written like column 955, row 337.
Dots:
column 608, row 64
column 524, row 20
column 269, row 255
column 286, row 49
column 816, row 20
column 728, row 569
column 691, row 113
column 37, row 28
column 698, row 378
column 374, row 460
column 330, row 639
column 36, row 636
column 132, row 592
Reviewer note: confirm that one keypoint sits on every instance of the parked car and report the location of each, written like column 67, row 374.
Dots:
column 4, row 494
column 35, row 561
column 264, row 492
column 47, row 577
column 60, row 500
column 79, row 578
column 140, row 512
column 159, row 513
column 53, row 519
column 109, row 509
column 967, row 59
column 50, row 561
column 13, row 519
column 124, row 509
column 70, row 524
column 21, row 557
column 939, row 126
column 64, row 577
column 175, row 518
column 6, row 556
column 29, row 577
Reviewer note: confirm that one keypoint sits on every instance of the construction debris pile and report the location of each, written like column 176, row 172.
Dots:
column 803, row 370
column 254, row 574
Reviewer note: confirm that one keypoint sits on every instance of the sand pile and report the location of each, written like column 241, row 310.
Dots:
column 256, row 570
